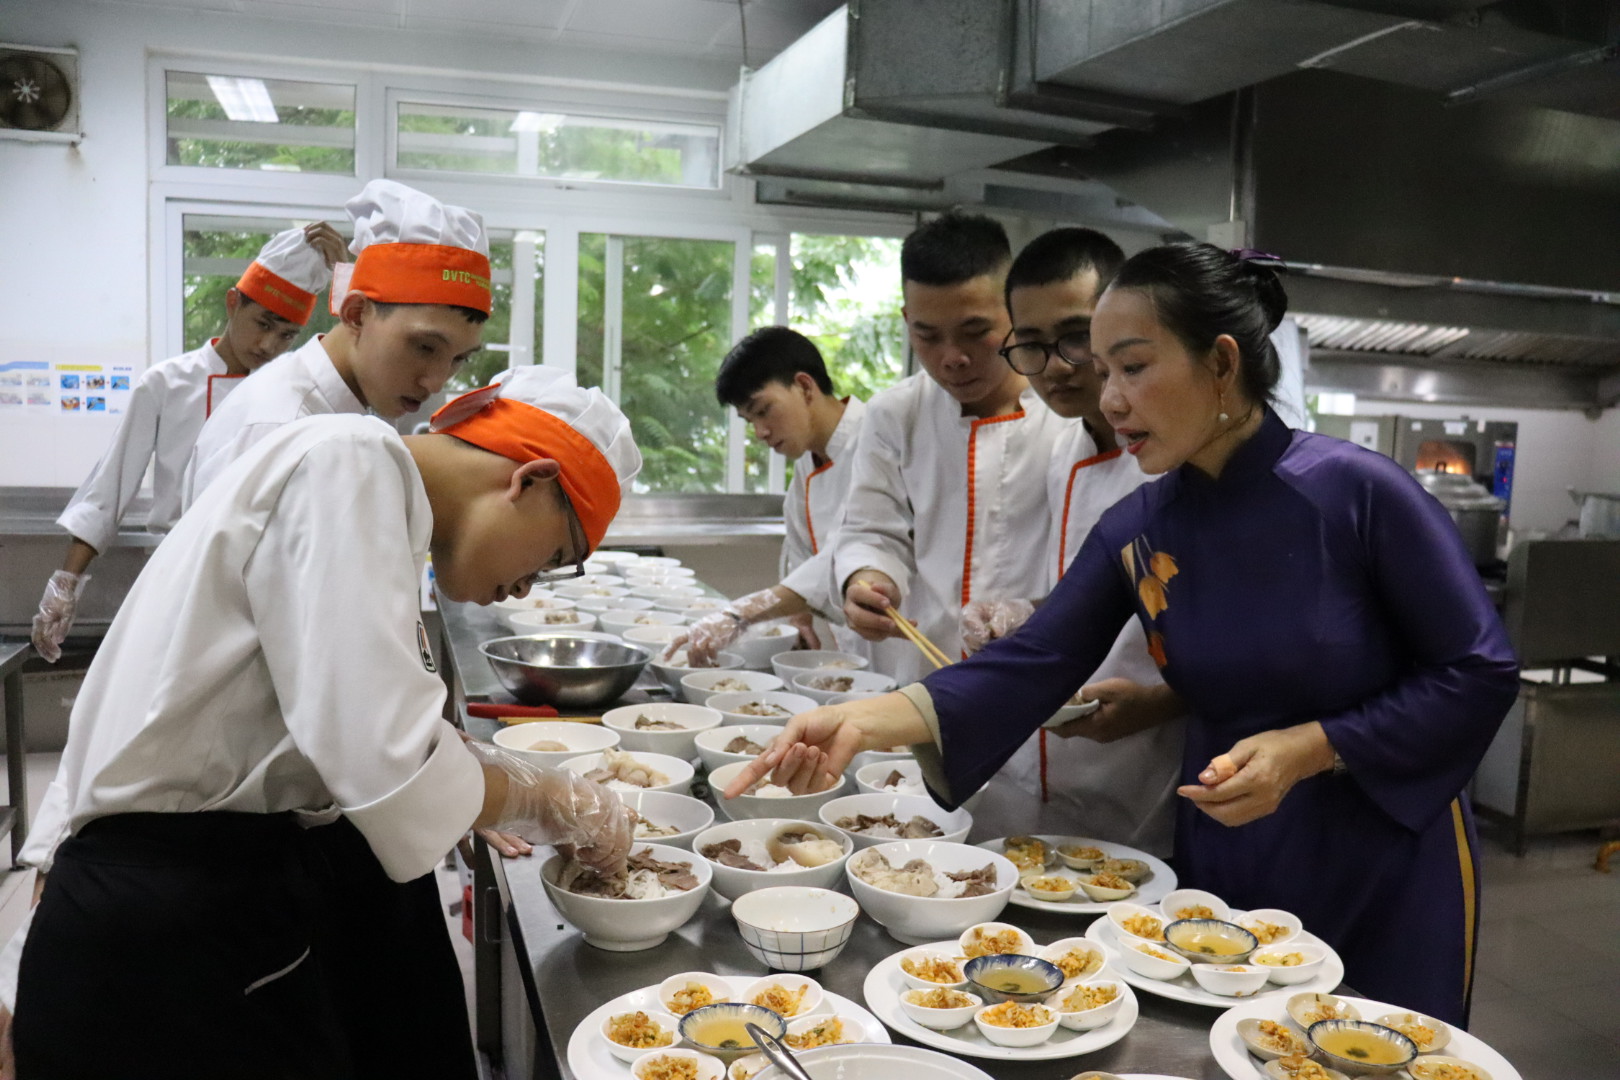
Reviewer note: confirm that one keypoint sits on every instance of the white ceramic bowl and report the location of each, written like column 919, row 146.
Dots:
column 795, row 661
column 1230, row 980
column 1442, row 1033
column 679, row 772
column 1048, row 888
column 690, row 816
column 718, row 988
column 805, row 682
column 927, row 952
column 537, row 600
column 1249, row 1032
column 1300, row 1007
column 793, row 983
column 761, row 643
column 794, row 928
column 1118, row 913
column 527, row 622
column 728, row 704
column 656, row 593
column 1310, row 966
column 939, row 1019
column 665, row 1022
column 919, row 919
column 708, row 1068
column 876, row 757
column 954, row 823
column 695, row 608
column 599, row 577
column 1095, row 1017
column 579, row 738
column 1420, row 1068
column 590, row 592
column 711, row 745
column 699, row 686
column 677, row 744
column 613, row 558
column 1271, row 917
column 1092, row 955
column 652, row 638
column 1177, row 901
column 869, row 778
column 618, row 620
column 798, row 807
column 989, row 928
column 598, row 604
column 1274, row 1071
column 854, row 1031
column 1103, row 894
column 732, row 882
column 672, row 674
column 659, row 560
column 629, row 925
column 1017, row 1037
column 1151, row 967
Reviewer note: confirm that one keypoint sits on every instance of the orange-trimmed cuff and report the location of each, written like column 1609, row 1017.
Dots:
column 423, row 274
column 277, row 294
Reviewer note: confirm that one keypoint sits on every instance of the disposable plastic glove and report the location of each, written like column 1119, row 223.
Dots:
column 983, row 621
column 56, row 610
column 558, row 807
column 705, row 639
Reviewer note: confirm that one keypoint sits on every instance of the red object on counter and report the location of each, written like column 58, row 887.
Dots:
column 486, row 711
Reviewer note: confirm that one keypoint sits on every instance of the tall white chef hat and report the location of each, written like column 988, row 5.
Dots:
column 286, row 276
column 412, row 249
column 537, row 412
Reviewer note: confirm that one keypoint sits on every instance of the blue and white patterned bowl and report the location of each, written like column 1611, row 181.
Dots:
column 794, row 927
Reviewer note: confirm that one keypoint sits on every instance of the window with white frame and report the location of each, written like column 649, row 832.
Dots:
column 278, row 125
column 555, row 145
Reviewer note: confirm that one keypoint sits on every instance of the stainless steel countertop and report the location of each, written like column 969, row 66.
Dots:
column 13, row 654
column 573, row 978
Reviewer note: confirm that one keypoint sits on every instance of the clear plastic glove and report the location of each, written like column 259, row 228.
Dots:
column 56, row 611
column 983, row 621
column 705, row 639
column 558, row 807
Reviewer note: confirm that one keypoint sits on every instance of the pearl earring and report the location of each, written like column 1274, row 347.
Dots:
column 1221, row 405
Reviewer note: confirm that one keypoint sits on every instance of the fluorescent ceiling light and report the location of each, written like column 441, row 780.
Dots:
column 536, row 121
column 244, row 99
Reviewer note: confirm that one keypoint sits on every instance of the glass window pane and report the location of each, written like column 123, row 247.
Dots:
column 507, row 251
column 228, row 122
column 674, row 329
column 846, row 298
column 515, row 142
column 761, row 312
column 216, row 252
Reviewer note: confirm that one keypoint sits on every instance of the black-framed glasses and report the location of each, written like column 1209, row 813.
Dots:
column 1031, row 357
column 580, row 544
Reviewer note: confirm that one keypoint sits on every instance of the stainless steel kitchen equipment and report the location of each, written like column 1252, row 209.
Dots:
column 1555, row 764
column 573, row 672
column 1477, row 512
column 1483, row 450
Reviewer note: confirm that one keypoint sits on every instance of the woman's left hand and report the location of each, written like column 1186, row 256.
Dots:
column 1250, row 781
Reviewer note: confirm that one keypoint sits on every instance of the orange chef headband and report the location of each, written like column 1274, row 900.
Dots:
column 524, row 433
column 277, row 294
column 423, row 274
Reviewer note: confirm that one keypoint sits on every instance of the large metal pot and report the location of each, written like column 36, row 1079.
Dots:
column 1477, row 512
column 1600, row 513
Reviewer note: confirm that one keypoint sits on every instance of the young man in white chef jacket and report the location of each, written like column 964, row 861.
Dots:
column 264, row 312
column 777, row 380
column 393, row 349
column 269, row 664
column 948, row 503
column 1118, row 779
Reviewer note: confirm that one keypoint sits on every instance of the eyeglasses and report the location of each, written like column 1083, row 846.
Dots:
column 581, row 551
column 1031, row 357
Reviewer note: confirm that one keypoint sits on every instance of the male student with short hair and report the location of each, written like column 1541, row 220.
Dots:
column 1120, row 782
column 777, row 380
column 264, row 312
column 269, row 664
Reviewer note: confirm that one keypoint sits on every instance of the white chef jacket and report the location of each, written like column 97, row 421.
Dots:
column 302, row 383
column 1122, row 791
column 813, row 511
column 270, row 658
column 166, row 410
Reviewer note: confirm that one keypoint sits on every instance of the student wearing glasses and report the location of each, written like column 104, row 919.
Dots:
column 267, row 673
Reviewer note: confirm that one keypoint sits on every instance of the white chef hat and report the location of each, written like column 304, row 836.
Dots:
column 412, row 249
column 286, row 276
column 532, row 412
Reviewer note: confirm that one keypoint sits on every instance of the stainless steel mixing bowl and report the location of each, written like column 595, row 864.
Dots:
column 555, row 669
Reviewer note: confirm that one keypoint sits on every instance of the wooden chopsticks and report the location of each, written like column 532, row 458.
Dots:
column 934, row 653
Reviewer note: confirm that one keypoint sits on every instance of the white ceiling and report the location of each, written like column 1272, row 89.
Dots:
column 706, row 29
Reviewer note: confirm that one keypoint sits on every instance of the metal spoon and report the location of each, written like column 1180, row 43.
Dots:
column 777, row 1053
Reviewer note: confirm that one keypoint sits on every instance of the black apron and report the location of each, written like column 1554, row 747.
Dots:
column 235, row 947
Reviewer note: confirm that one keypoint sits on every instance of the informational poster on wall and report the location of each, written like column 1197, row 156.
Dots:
column 44, row 387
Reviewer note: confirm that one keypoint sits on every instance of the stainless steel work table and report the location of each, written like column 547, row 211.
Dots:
column 14, row 818
column 527, row 952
